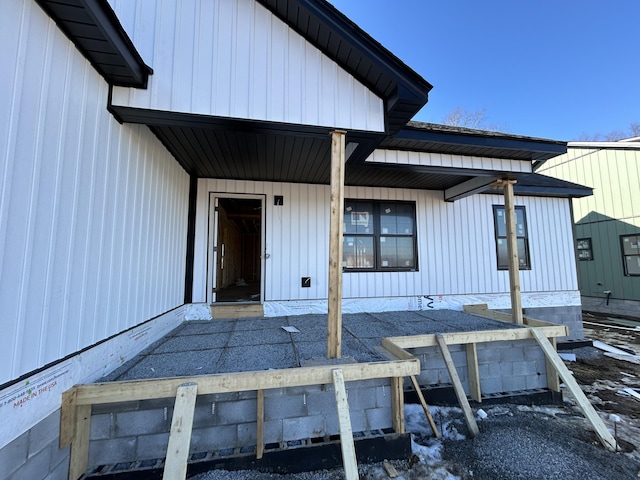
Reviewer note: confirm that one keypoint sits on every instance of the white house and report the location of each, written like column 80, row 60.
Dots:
column 124, row 124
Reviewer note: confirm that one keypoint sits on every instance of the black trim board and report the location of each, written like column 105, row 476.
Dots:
column 95, row 30
column 191, row 239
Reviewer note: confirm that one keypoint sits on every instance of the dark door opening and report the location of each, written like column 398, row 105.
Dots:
column 238, row 250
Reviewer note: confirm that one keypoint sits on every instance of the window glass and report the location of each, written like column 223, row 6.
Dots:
column 357, row 252
column 358, row 218
column 630, row 254
column 521, row 237
column 585, row 253
column 397, row 252
column 379, row 235
column 396, row 218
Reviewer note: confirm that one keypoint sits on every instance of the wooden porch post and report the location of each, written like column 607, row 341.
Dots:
column 512, row 250
column 334, row 335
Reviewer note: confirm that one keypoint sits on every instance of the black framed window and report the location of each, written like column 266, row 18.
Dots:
column 379, row 236
column 521, row 235
column 630, row 245
column 585, row 251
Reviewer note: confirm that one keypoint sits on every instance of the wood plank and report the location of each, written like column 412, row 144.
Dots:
column 457, row 386
column 260, row 426
column 67, row 417
column 553, row 380
column 474, row 373
column 395, row 350
column 463, row 338
column 397, row 404
column 589, row 412
column 346, row 434
column 481, row 310
column 512, row 249
column 425, row 407
column 80, row 444
column 98, row 393
column 175, row 466
column 334, row 317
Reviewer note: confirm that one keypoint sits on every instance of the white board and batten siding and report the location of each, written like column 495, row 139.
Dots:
column 236, row 59
column 93, row 214
column 456, row 244
column 427, row 159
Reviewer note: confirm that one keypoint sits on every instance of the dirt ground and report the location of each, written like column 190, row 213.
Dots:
column 519, row 442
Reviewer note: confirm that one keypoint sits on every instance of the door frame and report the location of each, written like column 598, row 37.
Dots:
column 212, row 238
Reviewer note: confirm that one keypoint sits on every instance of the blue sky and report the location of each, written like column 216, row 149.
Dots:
column 553, row 69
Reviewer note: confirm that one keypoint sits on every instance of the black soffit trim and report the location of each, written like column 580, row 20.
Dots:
column 96, row 31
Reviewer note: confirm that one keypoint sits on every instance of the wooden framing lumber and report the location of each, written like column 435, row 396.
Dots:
column 397, row 404
column 589, row 412
column 425, row 407
column 80, row 444
column 260, row 425
column 457, row 386
column 512, row 250
column 481, row 310
column 175, row 466
column 67, row 417
column 99, row 393
column 463, row 338
column 346, row 434
column 474, row 374
column 334, row 317
column 553, row 380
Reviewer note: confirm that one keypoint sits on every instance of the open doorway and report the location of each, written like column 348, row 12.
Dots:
column 237, row 237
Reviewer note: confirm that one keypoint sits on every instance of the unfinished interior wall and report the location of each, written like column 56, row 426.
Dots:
column 230, row 251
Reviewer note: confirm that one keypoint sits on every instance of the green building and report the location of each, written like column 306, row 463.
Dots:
column 607, row 224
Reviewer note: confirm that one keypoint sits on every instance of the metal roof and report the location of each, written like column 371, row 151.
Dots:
column 97, row 33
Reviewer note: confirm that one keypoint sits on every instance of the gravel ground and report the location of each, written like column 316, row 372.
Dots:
column 515, row 443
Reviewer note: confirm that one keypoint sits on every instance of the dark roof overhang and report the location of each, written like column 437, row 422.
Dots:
column 96, row 31
column 538, row 185
column 402, row 89
column 434, row 138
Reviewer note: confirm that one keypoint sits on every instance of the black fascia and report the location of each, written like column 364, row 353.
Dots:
column 409, row 91
column 108, row 29
column 563, row 192
column 537, row 149
column 180, row 119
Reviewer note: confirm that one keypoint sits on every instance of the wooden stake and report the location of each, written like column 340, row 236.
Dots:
column 80, row 445
column 553, row 380
column 346, row 434
column 474, row 374
column 175, row 466
column 260, row 426
column 67, row 417
column 512, row 249
column 334, row 334
column 425, row 407
column 589, row 412
column 457, row 387
column 397, row 404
